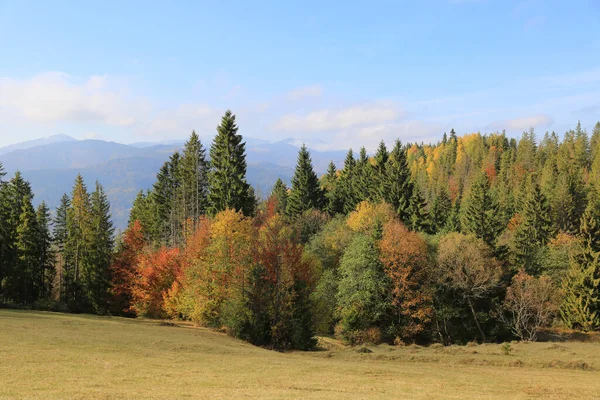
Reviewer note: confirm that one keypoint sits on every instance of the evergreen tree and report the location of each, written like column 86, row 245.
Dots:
column 227, row 177
column 100, row 252
column 306, row 192
column 535, row 229
column 334, row 201
column 398, row 185
column 418, row 214
column 441, row 208
column 194, row 179
column 280, row 192
column 163, row 201
column 25, row 278
column 45, row 255
column 481, row 212
column 364, row 185
column 581, row 304
column 347, row 182
column 60, row 236
column 380, row 184
column 77, row 248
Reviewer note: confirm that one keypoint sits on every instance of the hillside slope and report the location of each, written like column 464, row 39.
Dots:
column 56, row 356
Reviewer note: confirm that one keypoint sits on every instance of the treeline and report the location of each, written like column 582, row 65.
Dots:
column 58, row 262
column 475, row 237
column 479, row 237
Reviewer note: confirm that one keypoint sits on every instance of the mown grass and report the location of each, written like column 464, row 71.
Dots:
column 51, row 356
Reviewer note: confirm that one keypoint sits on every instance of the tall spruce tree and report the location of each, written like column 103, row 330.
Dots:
column 380, row 182
column 227, row 178
column 194, row 180
column 418, row 214
column 44, row 252
column 163, row 200
column 77, row 248
column 334, row 201
column 347, row 182
column 535, row 229
column 481, row 212
column 60, row 236
column 280, row 193
column 581, row 286
column 306, row 191
column 100, row 252
column 364, row 186
column 398, row 185
column 25, row 278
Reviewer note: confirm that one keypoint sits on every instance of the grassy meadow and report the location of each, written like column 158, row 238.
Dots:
column 51, row 356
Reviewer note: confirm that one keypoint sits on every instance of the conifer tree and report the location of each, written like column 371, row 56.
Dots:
column 581, row 286
column 334, row 201
column 417, row 209
column 227, row 178
column 78, row 246
column 535, row 229
column 481, row 212
column 60, row 236
column 380, row 184
column 194, row 179
column 100, row 252
column 45, row 255
column 163, row 200
column 364, row 185
column 398, row 185
column 441, row 208
column 306, row 192
column 347, row 181
column 25, row 279
column 280, row 192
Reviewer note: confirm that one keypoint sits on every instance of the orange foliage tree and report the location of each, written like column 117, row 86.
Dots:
column 404, row 256
column 155, row 273
column 122, row 269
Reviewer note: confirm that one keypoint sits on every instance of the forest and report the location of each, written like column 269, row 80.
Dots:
column 479, row 237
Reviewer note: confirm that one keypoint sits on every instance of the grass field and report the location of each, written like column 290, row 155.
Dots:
column 49, row 356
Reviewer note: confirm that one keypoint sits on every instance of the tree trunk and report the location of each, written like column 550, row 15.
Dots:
column 476, row 320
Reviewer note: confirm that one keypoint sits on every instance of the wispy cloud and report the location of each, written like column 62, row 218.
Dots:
column 522, row 123
column 54, row 96
column 301, row 93
column 336, row 119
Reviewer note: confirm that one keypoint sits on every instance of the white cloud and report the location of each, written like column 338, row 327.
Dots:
column 330, row 120
column 522, row 123
column 53, row 97
column 300, row 93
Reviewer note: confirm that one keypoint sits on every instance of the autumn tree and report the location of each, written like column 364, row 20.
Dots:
column 530, row 304
column 467, row 266
column 405, row 259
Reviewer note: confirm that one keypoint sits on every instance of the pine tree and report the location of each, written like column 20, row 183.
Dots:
column 60, row 236
column 418, row 214
column 535, row 229
column 194, row 180
column 347, row 181
column 280, row 192
column 100, row 252
column 25, row 279
column 77, row 248
column 481, row 212
column 227, row 178
column 380, row 184
column 45, row 255
column 306, row 192
column 334, row 201
column 581, row 304
column 163, row 201
column 364, row 185
column 441, row 209
column 398, row 185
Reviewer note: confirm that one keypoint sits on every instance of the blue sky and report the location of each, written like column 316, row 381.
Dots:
column 332, row 74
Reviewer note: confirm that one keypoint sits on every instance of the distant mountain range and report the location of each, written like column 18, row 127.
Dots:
column 52, row 163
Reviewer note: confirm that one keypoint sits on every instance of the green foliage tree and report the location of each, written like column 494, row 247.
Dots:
column 194, row 180
column 397, row 182
column 227, row 177
column 306, row 192
column 480, row 212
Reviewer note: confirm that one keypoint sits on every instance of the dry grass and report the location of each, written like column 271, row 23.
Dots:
column 50, row 356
